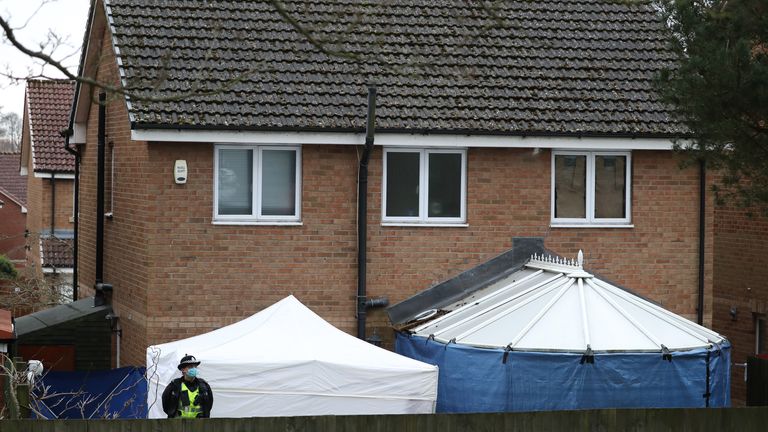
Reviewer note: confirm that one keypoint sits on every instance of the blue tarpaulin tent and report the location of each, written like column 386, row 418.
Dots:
column 116, row 393
column 475, row 379
column 553, row 337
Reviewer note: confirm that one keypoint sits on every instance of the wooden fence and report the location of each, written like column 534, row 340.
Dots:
column 646, row 420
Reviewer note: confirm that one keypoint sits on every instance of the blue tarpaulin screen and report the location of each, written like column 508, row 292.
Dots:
column 478, row 380
column 116, row 393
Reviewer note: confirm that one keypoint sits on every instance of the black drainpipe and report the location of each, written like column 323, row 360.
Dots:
column 100, row 286
column 53, row 202
column 702, row 226
column 362, row 214
column 67, row 134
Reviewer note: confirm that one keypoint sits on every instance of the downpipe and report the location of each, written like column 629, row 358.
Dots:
column 363, row 303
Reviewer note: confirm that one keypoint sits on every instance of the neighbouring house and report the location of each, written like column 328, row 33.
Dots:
column 230, row 168
column 49, row 170
column 740, row 288
column 13, row 209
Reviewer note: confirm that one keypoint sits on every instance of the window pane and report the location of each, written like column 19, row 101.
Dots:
column 444, row 185
column 235, row 182
column 610, row 186
column 278, row 183
column 402, row 184
column 570, row 186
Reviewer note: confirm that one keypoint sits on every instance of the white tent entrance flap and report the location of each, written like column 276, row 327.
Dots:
column 551, row 321
column 287, row 361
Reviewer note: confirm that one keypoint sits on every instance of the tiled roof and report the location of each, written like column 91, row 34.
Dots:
column 518, row 67
column 11, row 182
column 57, row 252
column 49, row 103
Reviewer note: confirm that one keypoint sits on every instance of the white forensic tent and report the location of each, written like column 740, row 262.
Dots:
column 287, row 361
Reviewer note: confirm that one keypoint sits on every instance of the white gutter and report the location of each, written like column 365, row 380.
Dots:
column 58, row 176
column 398, row 139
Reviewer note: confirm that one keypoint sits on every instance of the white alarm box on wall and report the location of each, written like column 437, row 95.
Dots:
column 180, row 171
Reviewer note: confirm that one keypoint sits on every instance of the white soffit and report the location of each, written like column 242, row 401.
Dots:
column 399, row 139
column 554, row 305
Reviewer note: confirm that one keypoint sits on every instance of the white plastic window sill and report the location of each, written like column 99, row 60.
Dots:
column 425, row 224
column 572, row 225
column 263, row 223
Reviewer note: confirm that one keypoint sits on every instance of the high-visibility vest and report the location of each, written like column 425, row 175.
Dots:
column 190, row 409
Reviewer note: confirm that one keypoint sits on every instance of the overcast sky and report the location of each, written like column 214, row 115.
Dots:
column 64, row 18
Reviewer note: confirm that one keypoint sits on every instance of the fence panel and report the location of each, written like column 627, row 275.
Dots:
column 646, row 420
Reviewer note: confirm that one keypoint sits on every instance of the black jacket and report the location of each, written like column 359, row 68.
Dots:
column 172, row 394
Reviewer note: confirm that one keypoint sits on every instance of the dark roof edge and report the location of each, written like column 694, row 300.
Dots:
column 55, row 171
column 161, row 126
column 464, row 284
column 81, row 64
column 56, row 315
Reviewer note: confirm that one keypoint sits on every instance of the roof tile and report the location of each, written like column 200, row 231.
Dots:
column 57, row 252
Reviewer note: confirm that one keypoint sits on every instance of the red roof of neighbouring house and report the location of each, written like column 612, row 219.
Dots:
column 48, row 104
column 12, row 183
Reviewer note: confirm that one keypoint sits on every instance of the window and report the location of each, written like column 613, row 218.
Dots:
column 424, row 186
column 591, row 187
column 257, row 184
column 760, row 335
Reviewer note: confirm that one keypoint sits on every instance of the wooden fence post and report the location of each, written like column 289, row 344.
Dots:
column 8, row 392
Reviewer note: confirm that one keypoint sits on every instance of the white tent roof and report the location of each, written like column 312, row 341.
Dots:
column 287, row 361
column 554, row 305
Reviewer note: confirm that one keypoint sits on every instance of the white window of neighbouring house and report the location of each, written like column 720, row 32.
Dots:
column 591, row 188
column 257, row 184
column 424, row 186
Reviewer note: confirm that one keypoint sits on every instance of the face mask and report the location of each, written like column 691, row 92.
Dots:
column 192, row 372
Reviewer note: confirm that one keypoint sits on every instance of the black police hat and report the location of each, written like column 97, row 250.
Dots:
column 188, row 360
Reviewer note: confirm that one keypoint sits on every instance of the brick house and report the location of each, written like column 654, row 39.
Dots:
column 13, row 209
column 49, row 171
column 536, row 119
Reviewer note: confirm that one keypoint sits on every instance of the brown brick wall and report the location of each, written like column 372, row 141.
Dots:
column 35, row 208
column 12, row 225
column 204, row 276
column 741, row 272
column 44, row 200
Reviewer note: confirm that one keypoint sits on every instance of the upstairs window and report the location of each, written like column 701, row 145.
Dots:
column 424, row 186
column 257, row 184
column 591, row 188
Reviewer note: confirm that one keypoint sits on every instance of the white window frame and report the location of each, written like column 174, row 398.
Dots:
column 423, row 217
column 256, row 217
column 590, row 219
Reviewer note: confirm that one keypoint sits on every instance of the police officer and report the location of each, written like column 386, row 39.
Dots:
column 188, row 396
